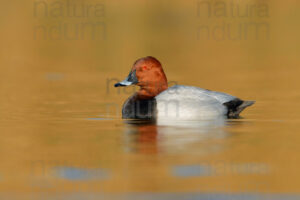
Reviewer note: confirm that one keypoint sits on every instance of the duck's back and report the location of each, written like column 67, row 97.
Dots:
column 187, row 102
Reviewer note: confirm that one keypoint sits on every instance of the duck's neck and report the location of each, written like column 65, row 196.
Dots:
column 150, row 91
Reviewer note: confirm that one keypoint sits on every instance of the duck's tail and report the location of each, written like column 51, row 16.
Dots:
column 236, row 106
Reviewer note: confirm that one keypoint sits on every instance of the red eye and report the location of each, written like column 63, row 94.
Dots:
column 144, row 67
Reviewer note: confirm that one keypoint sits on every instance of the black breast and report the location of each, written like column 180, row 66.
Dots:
column 139, row 109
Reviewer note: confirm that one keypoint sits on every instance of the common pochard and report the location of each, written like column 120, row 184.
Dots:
column 154, row 100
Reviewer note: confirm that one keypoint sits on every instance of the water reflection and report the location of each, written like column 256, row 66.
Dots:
column 175, row 136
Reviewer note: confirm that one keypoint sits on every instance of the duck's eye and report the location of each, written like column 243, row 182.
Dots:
column 145, row 67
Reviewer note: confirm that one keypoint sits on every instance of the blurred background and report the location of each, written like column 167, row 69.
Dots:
column 62, row 136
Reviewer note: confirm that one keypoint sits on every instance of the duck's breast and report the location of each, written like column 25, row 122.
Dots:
column 188, row 103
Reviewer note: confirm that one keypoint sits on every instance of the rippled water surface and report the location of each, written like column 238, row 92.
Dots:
column 62, row 136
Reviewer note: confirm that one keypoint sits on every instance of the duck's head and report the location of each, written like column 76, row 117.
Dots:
column 147, row 73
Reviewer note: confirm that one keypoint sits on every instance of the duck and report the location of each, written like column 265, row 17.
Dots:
column 156, row 101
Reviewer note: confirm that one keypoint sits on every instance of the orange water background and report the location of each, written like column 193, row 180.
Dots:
column 58, row 107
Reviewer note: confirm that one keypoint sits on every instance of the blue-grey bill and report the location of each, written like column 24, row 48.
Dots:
column 123, row 83
column 131, row 79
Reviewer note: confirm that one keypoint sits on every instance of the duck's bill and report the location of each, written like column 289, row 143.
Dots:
column 130, row 80
column 123, row 83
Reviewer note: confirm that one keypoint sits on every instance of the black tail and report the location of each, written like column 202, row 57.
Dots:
column 236, row 106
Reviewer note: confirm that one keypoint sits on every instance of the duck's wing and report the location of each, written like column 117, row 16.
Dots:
column 186, row 103
column 220, row 96
column 233, row 104
column 206, row 102
column 198, row 93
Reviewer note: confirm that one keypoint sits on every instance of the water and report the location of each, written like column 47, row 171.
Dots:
column 62, row 136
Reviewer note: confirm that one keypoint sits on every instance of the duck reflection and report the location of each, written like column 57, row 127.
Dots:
column 141, row 136
column 171, row 136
